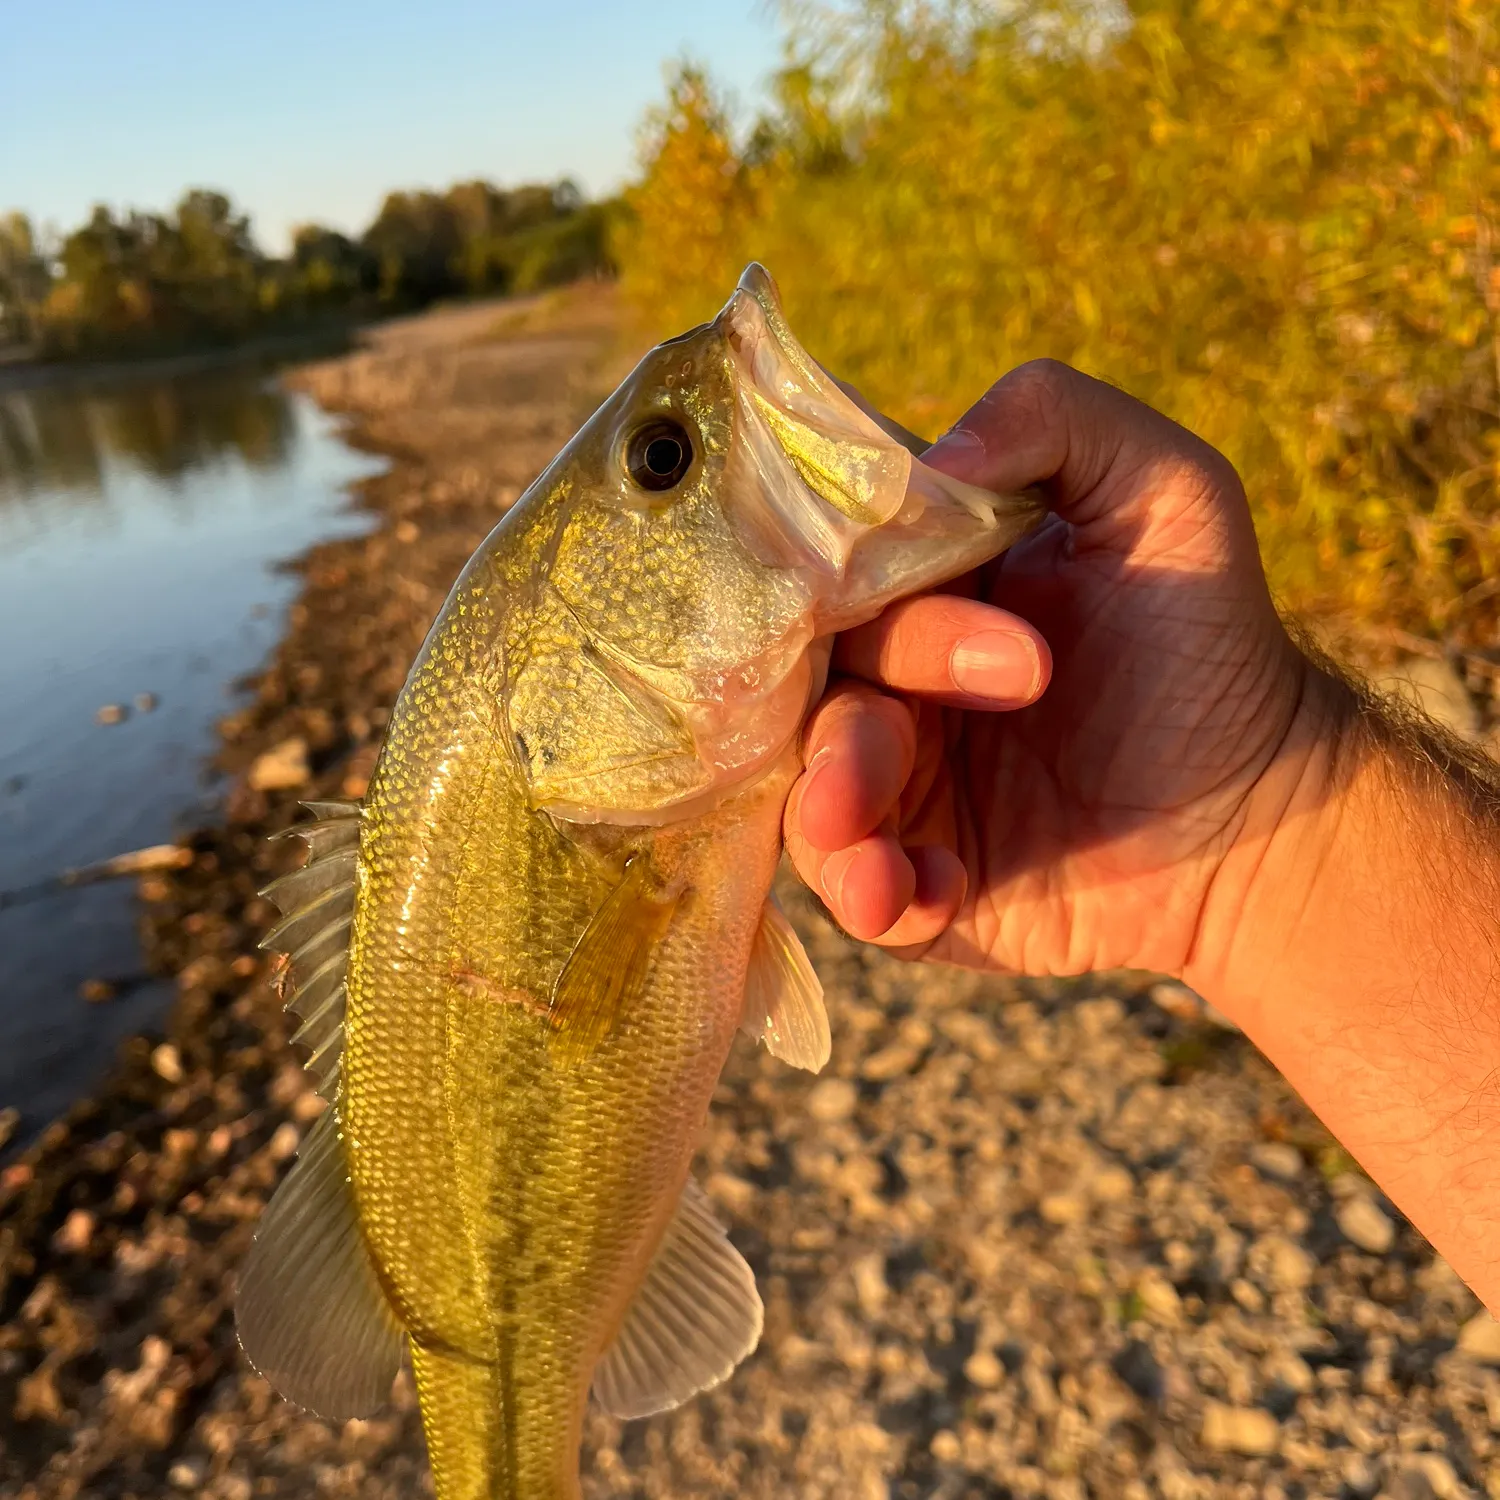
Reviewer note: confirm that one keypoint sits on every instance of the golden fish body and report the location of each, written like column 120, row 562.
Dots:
column 555, row 908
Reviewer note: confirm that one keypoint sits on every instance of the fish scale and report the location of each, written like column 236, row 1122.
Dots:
column 561, row 913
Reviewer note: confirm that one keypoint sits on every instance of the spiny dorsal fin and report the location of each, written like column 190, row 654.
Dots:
column 696, row 1316
column 606, row 971
column 783, row 995
column 310, row 1312
column 317, row 906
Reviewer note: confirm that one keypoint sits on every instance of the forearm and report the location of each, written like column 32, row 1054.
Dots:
column 1352, row 932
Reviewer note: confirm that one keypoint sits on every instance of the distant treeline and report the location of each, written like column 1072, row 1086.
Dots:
column 1278, row 220
column 142, row 283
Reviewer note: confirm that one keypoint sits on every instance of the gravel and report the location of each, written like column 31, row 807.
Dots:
column 1021, row 1239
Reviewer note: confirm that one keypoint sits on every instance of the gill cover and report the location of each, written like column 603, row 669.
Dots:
column 656, row 656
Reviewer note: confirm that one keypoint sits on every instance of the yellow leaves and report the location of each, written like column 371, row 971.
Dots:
column 1253, row 214
column 1087, row 308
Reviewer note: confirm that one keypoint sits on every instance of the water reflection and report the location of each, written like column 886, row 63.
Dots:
column 57, row 446
column 140, row 533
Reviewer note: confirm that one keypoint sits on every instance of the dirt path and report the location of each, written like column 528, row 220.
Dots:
column 1047, row 1240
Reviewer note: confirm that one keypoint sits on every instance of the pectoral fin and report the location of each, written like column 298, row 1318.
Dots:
column 783, row 996
column 310, row 1312
column 606, row 971
column 695, row 1317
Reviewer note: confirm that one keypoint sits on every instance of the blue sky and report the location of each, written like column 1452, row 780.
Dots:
column 311, row 109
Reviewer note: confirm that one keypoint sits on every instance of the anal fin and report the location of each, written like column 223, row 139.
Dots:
column 783, row 995
column 695, row 1317
column 606, row 971
column 310, row 1312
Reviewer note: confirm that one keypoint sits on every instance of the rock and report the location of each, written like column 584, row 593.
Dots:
column 1159, row 1297
column 1285, row 1367
column 10, row 1120
column 282, row 767
column 1361, row 1477
column 187, row 1474
column 1112, row 1185
column 1363, row 1224
column 76, row 1233
column 945, row 1447
column 1429, row 684
column 96, row 991
column 146, row 703
column 111, row 713
column 832, row 1100
column 901, row 1056
column 283, row 1144
column 1479, row 1338
column 870, row 1284
column 1063, row 1208
column 983, row 1370
column 1187, row 1005
column 166, row 1062
column 1428, row 1476
column 1283, row 1264
column 1247, row 1430
column 1277, row 1160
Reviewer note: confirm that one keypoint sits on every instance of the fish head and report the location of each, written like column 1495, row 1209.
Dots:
column 688, row 556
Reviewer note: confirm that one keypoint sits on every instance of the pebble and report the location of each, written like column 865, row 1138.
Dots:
column 1479, row 1338
column 1188, row 1005
column 1159, row 1297
column 1287, row 1368
column 983, row 1370
column 282, row 767
column 945, row 1446
column 1287, row 1265
column 111, row 713
column 1363, row 1224
column 166, row 1062
column 1361, row 1477
column 1429, row 1476
column 284, row 1142
column 187, row 1474
column 1248, row 1430
column 96, row 991
column 1063, row 1208
column 10, row 1120
column 832, row 1100
column 76, row 1233
column 146, row 703
column 1277, row 1160
column 1112, row 1185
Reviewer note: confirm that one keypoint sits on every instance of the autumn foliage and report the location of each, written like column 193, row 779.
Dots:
column 1277, row 221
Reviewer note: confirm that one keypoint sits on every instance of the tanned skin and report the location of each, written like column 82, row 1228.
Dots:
column 1110, row 752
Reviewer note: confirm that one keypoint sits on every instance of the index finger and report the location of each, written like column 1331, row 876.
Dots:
column 954, row 650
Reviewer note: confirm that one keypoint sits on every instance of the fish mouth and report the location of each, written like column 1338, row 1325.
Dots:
column 833, row 489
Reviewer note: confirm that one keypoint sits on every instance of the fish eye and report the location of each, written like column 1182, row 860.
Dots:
column 658, row 454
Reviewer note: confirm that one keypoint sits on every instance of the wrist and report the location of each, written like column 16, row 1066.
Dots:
column 1270, row 880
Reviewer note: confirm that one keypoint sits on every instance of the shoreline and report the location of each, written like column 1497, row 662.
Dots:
column 1039, row 1239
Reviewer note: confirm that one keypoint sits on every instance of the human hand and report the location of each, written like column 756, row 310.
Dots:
column 956, row 806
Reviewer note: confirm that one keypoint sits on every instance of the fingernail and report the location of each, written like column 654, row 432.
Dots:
column 995, row 664
column 835, row 868
column 958, row 447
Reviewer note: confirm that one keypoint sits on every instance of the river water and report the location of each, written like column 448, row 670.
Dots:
column 141, row 530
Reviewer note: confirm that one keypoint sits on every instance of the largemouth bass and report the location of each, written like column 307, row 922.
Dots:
column 522, row 962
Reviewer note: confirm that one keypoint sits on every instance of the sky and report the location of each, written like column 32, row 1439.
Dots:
column 312, row 109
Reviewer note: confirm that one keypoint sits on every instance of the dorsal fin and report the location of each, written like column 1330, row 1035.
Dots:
column 783, row 996
column 695, row 1317
column 317, row 907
